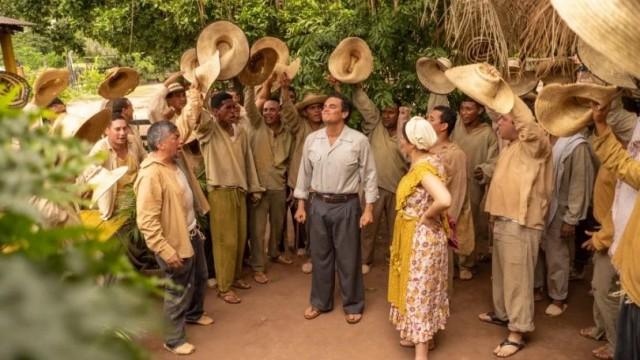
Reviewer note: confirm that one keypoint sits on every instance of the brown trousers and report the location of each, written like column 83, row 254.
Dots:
column 515, row 253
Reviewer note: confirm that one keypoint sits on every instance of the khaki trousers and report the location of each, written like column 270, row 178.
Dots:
column 385, row 207
column 605, row 305
column 556, row 260
column 228, row 218
column 480, row 225
column 272, row 207
column 515, row 252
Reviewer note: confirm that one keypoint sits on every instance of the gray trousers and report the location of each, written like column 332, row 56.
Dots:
column 334, row 231
column 185, row 303
column 605, row 305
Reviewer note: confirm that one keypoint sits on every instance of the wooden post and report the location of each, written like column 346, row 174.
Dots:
column 7, row 52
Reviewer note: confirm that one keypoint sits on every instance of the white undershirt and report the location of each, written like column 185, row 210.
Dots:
column 187, row 200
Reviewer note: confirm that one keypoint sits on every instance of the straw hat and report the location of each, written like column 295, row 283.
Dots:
column 483, row 83
column 351, row 62
column 188, row 64
column 521, row 82
column 431, row 75
column 49, row 84
column 276, row 44
column 208, row 72
column 260, row 66
column 174, row 87
column 82, row 127
column 604, row 68
column 563, row 110
column 610, row 27
column 9, row 82
column 120, row 81
column 555, row 72
column 102, row 180
column 310, row 99
column 230, row 41
column 291, row 70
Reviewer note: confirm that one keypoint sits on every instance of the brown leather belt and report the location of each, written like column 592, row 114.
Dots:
column 334, row 198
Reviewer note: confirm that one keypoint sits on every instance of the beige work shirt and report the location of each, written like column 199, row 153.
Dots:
column 228, row 160
column 390, row 164
column 300, row 127
column 522, row 183
column 271, row 149
column 481, row 147
column 160, row 210
column 340, row 168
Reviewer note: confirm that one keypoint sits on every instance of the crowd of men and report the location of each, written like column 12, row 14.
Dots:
column 528, row 200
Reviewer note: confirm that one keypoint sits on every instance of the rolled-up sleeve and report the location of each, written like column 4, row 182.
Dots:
column 305, row 171
column 148, row 214
column 368, row 175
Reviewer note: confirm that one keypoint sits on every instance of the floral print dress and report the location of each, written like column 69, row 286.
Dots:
column 419, row 261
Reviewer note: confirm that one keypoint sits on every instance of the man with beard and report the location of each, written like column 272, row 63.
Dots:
column 380, row 127
column 271, row 145
column 302, row 119
column 478, row 141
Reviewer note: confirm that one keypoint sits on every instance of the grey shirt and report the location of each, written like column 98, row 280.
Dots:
column 339, row 168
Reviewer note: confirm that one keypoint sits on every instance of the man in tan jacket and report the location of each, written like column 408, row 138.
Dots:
column 454, row 160
column 271, row 146
column 231, row 175
column 302, row 119
column 166, row 216
column 518, row 199
column 380, row 127
column 478, row 141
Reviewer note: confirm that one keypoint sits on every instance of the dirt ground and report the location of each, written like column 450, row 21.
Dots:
column 268, row 324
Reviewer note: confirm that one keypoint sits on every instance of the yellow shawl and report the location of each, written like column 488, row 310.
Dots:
column 404, row 229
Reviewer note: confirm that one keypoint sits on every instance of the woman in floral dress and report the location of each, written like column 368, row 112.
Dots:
column 418, row 269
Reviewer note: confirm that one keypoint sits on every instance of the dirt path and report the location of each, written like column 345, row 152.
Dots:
column 139, row 98
column 268, row 324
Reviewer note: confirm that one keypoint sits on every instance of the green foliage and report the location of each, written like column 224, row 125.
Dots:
column 51, row 306
column 159, row 31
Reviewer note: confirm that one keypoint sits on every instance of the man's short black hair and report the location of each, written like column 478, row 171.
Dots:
column 119, row 104
column 219, row 98
column 346, row 104
column 466, row 98
column 448, row 116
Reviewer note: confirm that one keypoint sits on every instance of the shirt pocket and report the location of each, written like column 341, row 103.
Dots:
column 351, row 159
column 314, row 157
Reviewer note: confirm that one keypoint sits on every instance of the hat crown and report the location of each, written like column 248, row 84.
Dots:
column 490, row 78
column 444, row 63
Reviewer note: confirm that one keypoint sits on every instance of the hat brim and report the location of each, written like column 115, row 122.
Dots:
column 314, row 99
column 48, row 85
column 9, row 82
column 503, row 100
column 432, row 77
column 188, row 64
column 208, row 72
column 560, row 108
column 93, row 128
column 106, row 181
column 603, row 68
column 274, row 43
column 259, row 67
column 230, row 41
column 524, row 83
column 291, row 70
column 119, row 83
column 340, row 61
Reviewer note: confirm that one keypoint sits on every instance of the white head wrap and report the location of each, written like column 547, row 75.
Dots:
column 420, row 133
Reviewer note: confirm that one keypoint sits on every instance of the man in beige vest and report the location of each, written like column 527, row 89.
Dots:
column 390, row 167
column 524, row 167
column 271, row 146
column 479, row 143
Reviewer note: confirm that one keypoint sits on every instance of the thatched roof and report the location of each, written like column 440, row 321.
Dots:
column 13, row 24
